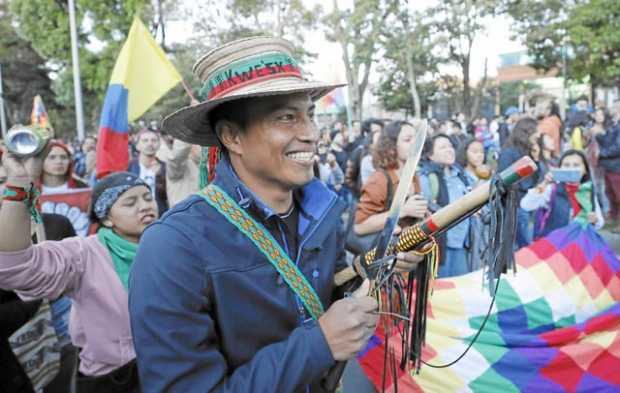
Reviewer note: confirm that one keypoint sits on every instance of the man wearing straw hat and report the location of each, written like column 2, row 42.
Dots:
column 232, row 290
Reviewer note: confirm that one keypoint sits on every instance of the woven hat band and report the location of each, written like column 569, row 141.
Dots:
column 249, row 71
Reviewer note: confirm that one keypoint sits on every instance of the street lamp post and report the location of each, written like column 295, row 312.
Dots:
column 2, row 115
column 77, row 87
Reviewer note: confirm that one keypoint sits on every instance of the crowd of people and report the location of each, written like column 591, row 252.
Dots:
column 578, row 180
column 363, row 170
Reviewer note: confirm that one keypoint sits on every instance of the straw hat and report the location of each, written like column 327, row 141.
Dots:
column 249, row 67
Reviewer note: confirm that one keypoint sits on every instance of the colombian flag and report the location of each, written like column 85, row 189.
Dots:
column 142, row 75
column 38, row 117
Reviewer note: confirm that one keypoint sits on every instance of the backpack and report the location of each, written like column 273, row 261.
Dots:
column 358, row 244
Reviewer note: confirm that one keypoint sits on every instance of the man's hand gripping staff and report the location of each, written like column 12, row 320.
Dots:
column 419, row 239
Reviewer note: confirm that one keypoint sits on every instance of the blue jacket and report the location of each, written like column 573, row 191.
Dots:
column 451, row 188
column 609, row 148
column 209, row 313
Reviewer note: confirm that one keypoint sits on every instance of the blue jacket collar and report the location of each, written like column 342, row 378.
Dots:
column 314, row 198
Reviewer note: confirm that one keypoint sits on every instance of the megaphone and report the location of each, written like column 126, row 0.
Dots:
column 26, row 141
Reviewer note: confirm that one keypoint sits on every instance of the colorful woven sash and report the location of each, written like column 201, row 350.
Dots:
column 266, row 244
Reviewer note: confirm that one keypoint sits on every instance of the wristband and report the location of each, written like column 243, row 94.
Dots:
column 16, row 194
column 29, row 196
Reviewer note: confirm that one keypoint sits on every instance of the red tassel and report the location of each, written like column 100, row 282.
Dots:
column 214, row 158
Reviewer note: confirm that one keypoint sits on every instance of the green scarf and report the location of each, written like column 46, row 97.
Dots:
column 122, row 251
column 584, row 197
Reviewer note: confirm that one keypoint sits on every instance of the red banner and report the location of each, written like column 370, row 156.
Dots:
column 72, row 204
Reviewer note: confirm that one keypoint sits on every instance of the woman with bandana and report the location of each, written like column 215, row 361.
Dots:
column 92, row 271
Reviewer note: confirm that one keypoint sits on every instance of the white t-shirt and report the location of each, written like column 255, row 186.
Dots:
column 55, row 190
column 148, row 175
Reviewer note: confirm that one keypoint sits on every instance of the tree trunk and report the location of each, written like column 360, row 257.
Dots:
column 413, row 87
column 278, row 31
column 593, row 90
column 480, row 93
column 466, row 90
column 356, row 87
column 161, row 24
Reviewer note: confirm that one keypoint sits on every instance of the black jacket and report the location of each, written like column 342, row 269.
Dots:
column 509, row 156
column 609, row 148
column 14, row 313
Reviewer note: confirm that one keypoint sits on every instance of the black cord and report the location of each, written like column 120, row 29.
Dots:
column 498, row 189
column 473, row 341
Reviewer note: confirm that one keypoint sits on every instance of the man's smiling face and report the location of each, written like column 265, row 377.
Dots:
column 279, row 141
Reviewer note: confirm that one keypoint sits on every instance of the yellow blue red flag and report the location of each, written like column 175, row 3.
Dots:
column 141, row 76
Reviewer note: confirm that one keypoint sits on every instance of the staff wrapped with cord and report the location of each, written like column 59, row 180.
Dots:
column 419, row 235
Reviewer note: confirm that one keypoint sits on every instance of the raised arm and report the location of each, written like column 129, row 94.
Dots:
column 34, row 272
column 176, row 159
column 15, row 214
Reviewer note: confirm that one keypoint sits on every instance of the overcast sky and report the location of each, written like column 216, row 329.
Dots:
column 328, row 65
column 491, row 44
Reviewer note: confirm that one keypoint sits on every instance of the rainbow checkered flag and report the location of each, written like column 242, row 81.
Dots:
column 332, row 102
column 38, row 116
column 554, row 327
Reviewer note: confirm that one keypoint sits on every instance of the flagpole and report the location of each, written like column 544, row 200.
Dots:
column 2, row 115
column 77, row 87
column 188, row 91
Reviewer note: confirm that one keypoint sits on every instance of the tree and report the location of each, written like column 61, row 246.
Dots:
column 593, row 31
column 457, row 24
column 408, row 64
column 287, row 19
column 358, row 30
column 583, row 35
column 102, row 28
column 395, row 94
column 480, row 91
column 24, row 74
column 536, row 23
column 509, row 92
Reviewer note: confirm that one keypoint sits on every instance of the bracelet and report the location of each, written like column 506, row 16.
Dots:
column 29, row 196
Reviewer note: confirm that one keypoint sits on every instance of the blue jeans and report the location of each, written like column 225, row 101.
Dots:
column 524, row 233
column 454, row 264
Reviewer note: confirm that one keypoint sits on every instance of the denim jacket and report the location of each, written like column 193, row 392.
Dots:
column 457, row 237
column 209, row 313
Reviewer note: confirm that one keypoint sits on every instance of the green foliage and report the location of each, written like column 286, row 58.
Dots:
column 102, row 28
column 24, row 73
column 509, row 92
column 393, row 90
column 537, row 23
column 396, row 77
column 358, row 31
column 245, row 18
column 587, row 33
column 594, row 31
column 456, row 24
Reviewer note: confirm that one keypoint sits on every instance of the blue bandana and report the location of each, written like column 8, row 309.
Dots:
column 109, row 189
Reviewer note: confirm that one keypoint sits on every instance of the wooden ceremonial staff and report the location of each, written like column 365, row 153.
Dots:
column 418, row 235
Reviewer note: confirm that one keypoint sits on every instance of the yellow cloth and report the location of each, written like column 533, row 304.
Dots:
column 143, row 68
column 576, row 139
